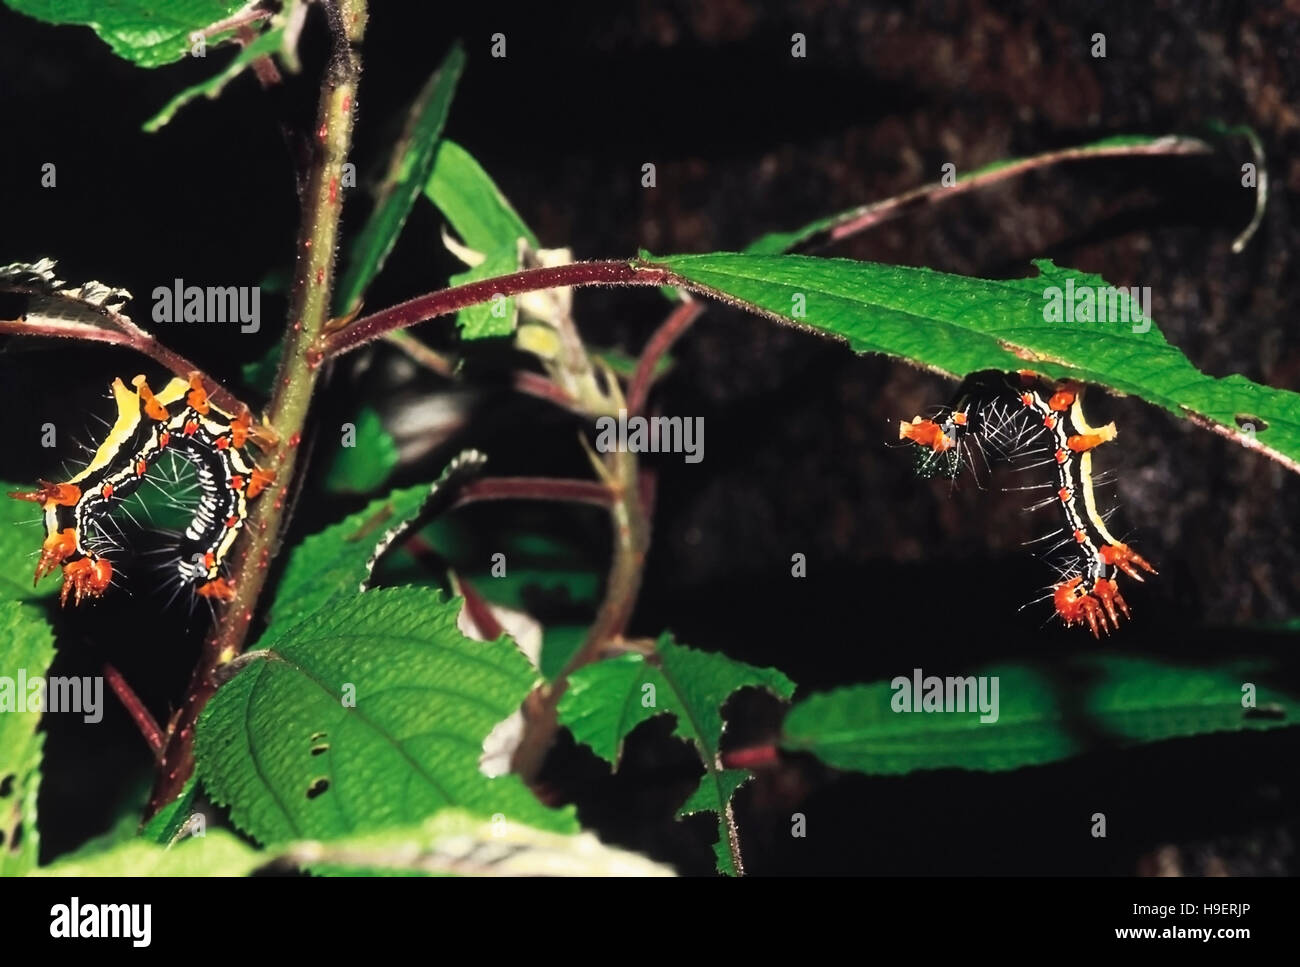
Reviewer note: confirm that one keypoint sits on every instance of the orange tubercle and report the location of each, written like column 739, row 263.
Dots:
column 259, row 481
column 55, row 549
column 220, row 588
column 1124, row 557
column 1080, row 442
column 197, row 397
column 86, row 578
column 152, row 408
column 927, row 433
column 1061, row 400
column 51, row 495
column 1099, row 608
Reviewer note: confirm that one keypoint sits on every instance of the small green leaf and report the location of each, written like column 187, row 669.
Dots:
column 607, row 699
column 408, row 172
column 149, row 33
column 336, row 561
column 369, row 715
column 21, row 533
column 167, row 822
column 473, row 204
column 266, row 44
column 498, row 316
column 365, row 465
column 28, row 652
column 216, row 853
column 957, row 325
column 1126, row 700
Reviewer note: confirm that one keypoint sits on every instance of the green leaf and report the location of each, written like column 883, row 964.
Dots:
column 268, row 43
column 28, row 652
column 559, row 644
column 364, row 466
column 956, row 326
column 21, row 533
column 498, row 316
column 167, row 822
column 823, row 229
column 607, row 699
column 472, row 203
column 149, row 33
column 335, row 562
column 369, row 715
column 1127, row 700
column 458, row 842
column 217, row 853
column 408, row 171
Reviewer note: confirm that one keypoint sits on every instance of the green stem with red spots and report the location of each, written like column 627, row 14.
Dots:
column 294, row 386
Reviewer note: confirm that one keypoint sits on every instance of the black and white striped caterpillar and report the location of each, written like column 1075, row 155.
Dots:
column 1005, row 423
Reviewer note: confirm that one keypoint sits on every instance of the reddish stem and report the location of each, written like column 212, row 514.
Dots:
column 535, row 488
column 135, row 339
column 678, row 321
column 446, row 301
column 759, row 755
column 479, row 611
column 135, row 708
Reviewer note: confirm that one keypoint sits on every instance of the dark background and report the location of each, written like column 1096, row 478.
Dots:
column 746, row 139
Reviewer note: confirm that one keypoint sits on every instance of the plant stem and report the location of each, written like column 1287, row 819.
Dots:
column 677, row 323
column 455, row 298
column 536, row 488
column 131, row 338
column 144, row 721
column 295, row 382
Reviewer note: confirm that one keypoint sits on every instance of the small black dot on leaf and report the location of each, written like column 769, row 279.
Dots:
column 6, row 785
column 317, row 787
column 317, row 736
column 320, row 749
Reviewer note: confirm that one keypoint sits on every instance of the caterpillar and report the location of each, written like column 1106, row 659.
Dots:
column 181, row 420
column 1010, row 424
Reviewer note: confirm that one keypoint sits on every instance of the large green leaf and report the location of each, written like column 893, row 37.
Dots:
column 149, row 33
column 607, row 699
column 472, row 202
column 957, row 325
column 268, row 43
column 21, row 533
column 408, row 171
column 369, row 715
column 452, row 842
column 216, row 853
column 1121, row 700
column 455, row 841
column 26, row 655
column 335, row 562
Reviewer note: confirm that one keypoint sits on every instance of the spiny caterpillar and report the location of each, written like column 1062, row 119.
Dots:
column 179, row 419
column 1014, row 425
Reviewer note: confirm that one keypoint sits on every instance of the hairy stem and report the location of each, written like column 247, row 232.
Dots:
column 294, row 385
column 131, row 338
column 455, row 298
